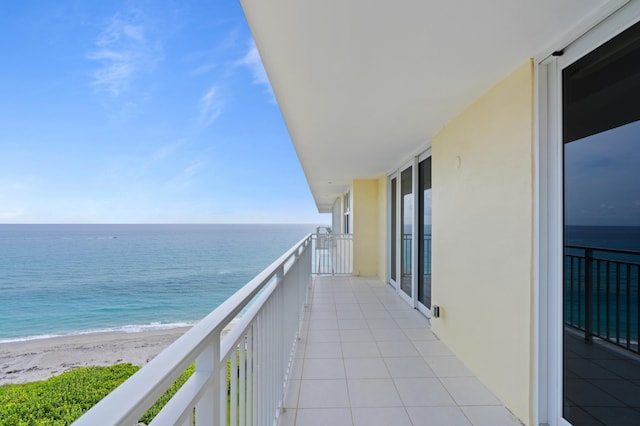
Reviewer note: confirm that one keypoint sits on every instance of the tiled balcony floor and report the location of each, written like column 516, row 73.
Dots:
column 367, row 358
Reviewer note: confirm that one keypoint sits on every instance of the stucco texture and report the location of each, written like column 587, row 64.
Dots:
column 483, row 183
column 366, row 226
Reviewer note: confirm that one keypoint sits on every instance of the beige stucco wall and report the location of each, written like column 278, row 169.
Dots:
column 483, row 237
column 365, row 218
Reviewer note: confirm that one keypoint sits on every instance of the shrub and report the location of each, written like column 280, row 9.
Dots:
column 60, row 400
column 162, row 401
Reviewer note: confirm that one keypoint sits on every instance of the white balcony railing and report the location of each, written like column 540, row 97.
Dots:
column 332, row 254
column 257, row 354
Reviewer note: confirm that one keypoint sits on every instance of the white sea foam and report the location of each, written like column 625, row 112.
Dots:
column 134, row 328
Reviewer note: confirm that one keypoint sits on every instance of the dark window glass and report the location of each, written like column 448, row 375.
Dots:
column 424, row 243
column 601, row 135
column 406, row 218
column 394, row 194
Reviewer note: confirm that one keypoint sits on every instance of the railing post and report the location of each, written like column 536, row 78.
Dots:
column 208, row 362
column 588, row 285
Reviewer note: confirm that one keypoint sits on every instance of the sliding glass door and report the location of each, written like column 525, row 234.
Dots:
column 601, row 259
column 406, row 231
column 393, row 230
column 409, row 254
column 424, row 234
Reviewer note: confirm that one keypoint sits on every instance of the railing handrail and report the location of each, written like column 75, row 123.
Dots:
column 602, row 295
column 127, row 403
column 608, row 250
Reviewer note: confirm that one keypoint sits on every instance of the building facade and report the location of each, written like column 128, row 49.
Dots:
column 465, row 146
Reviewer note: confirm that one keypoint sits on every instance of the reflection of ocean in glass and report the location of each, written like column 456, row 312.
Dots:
column 602, row 234
column 610, row 237
column 606, row 261
column 407, row 248
column 406, row 193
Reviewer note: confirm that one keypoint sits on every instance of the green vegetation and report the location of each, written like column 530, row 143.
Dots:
column 162, row 401
column 60, row 400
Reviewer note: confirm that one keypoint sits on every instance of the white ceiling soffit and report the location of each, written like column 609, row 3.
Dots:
column 365, row 84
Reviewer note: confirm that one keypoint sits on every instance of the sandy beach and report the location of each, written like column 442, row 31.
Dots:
column 22, row 362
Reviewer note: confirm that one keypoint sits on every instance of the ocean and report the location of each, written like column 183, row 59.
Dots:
column 72, row 279
column 608, row 237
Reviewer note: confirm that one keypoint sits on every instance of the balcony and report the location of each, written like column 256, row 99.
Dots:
column 601, row 334
column 308, row 349
column 366, row 358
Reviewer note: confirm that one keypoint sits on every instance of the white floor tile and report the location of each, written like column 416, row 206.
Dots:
column 356, row 335
column 323, row 324
column 318, row 301
column 424, row 392
column 394, row 375
column 296, row 369
column 323, row 336
column 403, row 348
column 411, row 322
column 291, row 394
column 430, row 416
column 396, row 304
column 395, row 335
column 323, row 368
column 352, row 324
column 433, row 348
column 371, row 308
column 360, row 349
column 341, row 306
column 490, row 416
column 287, row 418
column 350, row 314
column 373, row 393
column 469, row 391
column 324, row 417
column 376, row 313
column 316, row 315
column 323, row 394
column 396, row 416
column 422, row 333
column 382, row 324
column 300, row 350
column 366, row 368
column 323, row 307
column 368, row 299
column 323, row 350
column 408, row 367
column 448, row 366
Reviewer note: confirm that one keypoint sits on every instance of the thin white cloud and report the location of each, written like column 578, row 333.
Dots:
column 210, row 105
column 184, row 179
column 252, row 61
column 168, row 149
column 123, row 52
column 204, row 69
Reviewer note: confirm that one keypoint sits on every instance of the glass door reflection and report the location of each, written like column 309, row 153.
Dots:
column 601, row 124
column 424, row 230
column 406, row 230
column 393, row 232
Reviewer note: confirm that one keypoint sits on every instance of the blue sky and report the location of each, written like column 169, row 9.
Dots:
column 141, row 112
column 601, row 178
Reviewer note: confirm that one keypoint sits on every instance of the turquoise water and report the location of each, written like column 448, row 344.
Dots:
column 69, row 279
